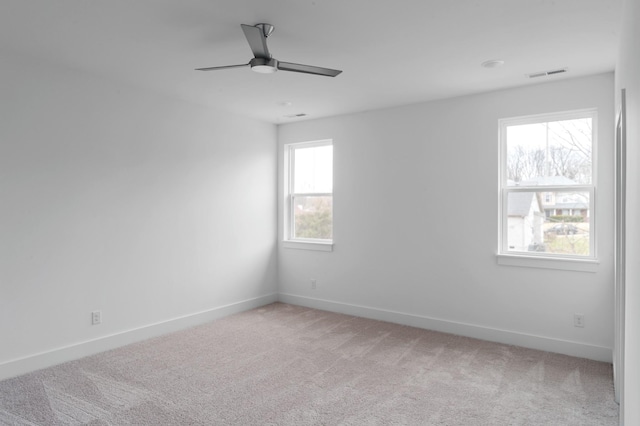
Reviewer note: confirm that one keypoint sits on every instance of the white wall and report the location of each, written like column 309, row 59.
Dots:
column 415, row 211
column 628, row 77
column 115, row 199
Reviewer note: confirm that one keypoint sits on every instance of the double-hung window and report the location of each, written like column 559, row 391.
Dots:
column 547, row 185
column 309, row 203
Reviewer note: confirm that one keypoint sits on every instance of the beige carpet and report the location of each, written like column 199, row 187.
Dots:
column 288, row 365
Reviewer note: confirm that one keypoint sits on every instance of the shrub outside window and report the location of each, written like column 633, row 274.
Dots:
column 547, row 185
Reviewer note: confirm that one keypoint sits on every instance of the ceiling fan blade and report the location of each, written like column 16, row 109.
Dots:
column 307, row 69
column 222, row 67
column 257, row 41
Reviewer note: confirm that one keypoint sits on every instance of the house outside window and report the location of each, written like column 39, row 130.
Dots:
column 309, row 201
column 547, row 185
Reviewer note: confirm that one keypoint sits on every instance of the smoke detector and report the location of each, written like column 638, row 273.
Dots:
column 492, row 63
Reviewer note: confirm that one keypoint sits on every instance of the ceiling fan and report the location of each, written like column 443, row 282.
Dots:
column 263, row 62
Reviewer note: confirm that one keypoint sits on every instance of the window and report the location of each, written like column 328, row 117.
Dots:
column 309, row 210
column 547, row 185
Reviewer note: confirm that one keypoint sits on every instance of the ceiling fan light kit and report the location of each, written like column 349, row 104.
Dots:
column 264, row 66
column 263, row 62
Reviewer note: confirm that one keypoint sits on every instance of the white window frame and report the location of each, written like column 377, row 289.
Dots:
column 540, row 259
column 289, row 241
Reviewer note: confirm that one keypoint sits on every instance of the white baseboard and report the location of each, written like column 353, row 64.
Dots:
column 46, row 359
column 56, row 356
column 566, row 347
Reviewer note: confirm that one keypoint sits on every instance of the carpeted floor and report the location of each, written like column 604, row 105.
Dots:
column 289, row 365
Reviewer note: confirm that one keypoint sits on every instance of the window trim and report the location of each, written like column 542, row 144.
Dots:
column 565, row 264
column 288, row 240
column 547, row 260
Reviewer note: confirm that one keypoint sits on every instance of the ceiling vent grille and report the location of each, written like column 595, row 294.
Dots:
column 547, row 73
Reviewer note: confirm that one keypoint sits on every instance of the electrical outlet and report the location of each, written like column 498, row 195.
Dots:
column 578, row 320
column 96, row 317
column 313, row 284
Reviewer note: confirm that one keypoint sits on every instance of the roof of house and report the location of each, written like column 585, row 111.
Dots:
column 572, row 205
column 520, row 203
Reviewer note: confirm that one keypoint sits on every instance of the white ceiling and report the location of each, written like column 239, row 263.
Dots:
column 391, row 52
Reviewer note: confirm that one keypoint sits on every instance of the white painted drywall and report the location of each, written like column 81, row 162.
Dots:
column 628, row 77
column 416, row 225
column 116, row 199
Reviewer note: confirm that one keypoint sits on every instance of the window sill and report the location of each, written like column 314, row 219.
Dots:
column 308, row 245
column 578, row 265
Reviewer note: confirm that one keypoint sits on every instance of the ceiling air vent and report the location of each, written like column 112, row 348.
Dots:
column 546, row 73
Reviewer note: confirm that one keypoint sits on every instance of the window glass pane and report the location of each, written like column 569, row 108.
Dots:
column 550, row 153
column 313, row 217
column 548, row 222
column 313, row 169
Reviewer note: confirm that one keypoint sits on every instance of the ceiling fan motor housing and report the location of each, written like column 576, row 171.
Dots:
column 264, row 65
